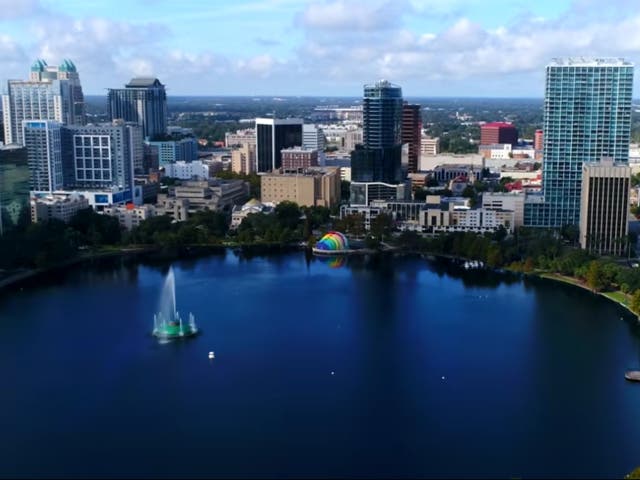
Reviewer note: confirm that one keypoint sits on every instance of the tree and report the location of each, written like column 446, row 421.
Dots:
column 381, row 226
column 635, row 302
column 288, row 214
column 595, row 276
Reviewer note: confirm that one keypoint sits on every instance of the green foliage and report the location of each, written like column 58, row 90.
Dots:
column 595, row 276
column 635, row 302
column 96, row 229
column 381, row 226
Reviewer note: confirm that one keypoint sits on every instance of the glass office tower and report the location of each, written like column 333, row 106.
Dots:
column 379, row 159
column 587, row 117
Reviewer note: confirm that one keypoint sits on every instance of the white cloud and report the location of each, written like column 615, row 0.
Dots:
column 352, row 15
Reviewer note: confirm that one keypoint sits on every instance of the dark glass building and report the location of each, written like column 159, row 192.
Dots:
column 272, row 136
column 142, row 101
column 379, row 159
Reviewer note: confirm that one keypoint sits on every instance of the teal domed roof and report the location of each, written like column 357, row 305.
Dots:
column 67, row 66
column 38, row 66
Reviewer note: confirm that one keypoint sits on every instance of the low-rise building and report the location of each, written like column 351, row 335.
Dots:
column 56, row 206
column 298, row 158
column 130, row 216
column 191, row 196
column 240, row 212
column 195, row 170
column 312, row 187
column 429, row 146
column 506, row 201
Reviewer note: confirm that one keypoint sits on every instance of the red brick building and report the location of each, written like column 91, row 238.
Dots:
column 498, row 132
column 297, row 158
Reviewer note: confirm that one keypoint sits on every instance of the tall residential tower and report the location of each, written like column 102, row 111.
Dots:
column 51, row 93
column 587, row 117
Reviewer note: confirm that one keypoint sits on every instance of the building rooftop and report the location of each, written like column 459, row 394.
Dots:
column 589, row 62
column 144, row 82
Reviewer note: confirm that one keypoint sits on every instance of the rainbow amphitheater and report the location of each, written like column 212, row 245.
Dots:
column 331, row 244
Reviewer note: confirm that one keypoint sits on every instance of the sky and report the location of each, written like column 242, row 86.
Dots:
column 461, row 48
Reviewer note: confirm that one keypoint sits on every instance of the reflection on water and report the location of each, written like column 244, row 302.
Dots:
column 337, row 261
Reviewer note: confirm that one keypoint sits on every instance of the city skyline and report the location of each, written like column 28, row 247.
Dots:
column 460, row 48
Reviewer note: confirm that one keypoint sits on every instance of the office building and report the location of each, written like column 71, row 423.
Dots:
column 142, row 101
column 412, row 133
column 272, row 136
column 313, row 137
column 195, row 170
column 587, row 116
column 498, row 132
column 175, row 150
column 537, row 140
column 429, row 146
column 44, row 154
column 296, row 158
column 312, row 187
column 604, row 200
column 240, row 137
column 51, row 93
column 243, row 159
column 376, row 165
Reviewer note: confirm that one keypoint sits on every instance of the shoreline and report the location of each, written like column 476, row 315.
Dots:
column 158, row 253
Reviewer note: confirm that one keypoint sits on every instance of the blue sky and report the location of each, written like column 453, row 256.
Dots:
column 316, row 47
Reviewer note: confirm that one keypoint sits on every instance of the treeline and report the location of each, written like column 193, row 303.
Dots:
column 45, row 244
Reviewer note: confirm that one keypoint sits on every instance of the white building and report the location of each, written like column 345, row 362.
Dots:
column 429, row 163
column 429, row 146
column 195, row 170
column 506, row 201
column 240, row 137
column 130, row 216
column 51, row 93
column 60, row 207
column 240, row 212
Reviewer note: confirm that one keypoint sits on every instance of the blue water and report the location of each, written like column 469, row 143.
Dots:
column 436, row 372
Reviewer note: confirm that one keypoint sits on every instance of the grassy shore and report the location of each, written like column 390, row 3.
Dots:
column 617, row 296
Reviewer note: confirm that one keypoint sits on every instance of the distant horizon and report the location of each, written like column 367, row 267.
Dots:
column 441, row 48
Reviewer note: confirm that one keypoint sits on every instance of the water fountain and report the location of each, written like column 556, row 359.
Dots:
column 167, row 323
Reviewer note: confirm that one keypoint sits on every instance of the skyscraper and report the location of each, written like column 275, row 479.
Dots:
column 51, row 93
column 376, row 165
column 142, row 101
column 44, row 154
column 412, row 133
column 272, row 136
column 587, row 116
column 100, row 156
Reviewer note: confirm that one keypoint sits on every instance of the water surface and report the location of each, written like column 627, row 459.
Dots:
column 383, row 367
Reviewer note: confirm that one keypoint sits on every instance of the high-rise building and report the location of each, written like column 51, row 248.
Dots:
column 412, row 133
column 587, row 116
column 498, row 132
column 142, row 101
column 99, row 156
column 51, row 93
column 376, row 165
column 272, row 136
column 44, row 154
column 604, row 205
column 313, row 137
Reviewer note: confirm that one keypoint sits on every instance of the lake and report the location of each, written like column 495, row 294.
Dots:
column 373, row 367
